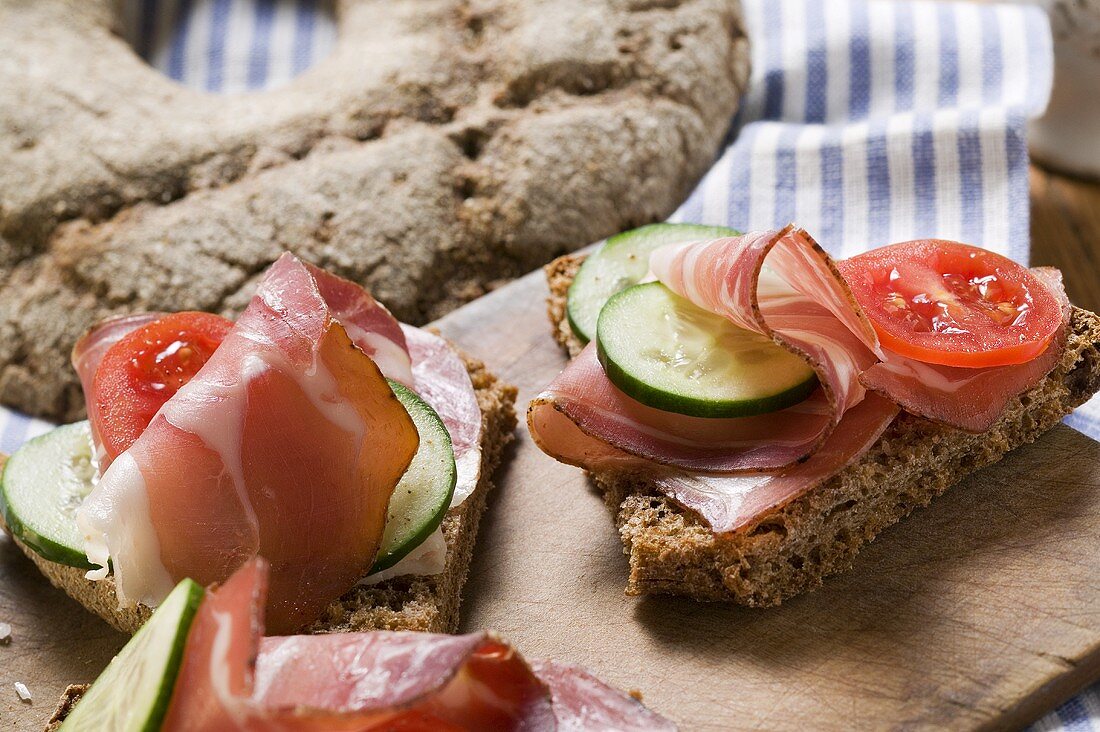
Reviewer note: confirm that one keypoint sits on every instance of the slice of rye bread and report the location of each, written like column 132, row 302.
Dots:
column 791, row 549
column 423, row 603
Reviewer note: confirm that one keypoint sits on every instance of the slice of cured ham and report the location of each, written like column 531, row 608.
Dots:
column 734, row 502
column 288, row 443
column 971, row 399
column 582, row 414
column 583, row 703
column 440, row 378
column 368, row 323
column 417, row 358
column 232, row 679
column 86, row 357
column 727, row 502
column 801, row 302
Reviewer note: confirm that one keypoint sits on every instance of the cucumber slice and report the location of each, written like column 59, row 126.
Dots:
column 134, row 690
column 666, row 352
column 422, row 497
column 44, row 482
column 623, row 261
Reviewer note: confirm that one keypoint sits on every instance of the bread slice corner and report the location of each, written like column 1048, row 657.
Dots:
column 420, row 603
column 791, row 549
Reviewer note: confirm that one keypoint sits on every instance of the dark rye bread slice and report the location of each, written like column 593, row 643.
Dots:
column 427, row 604
column 793, row 548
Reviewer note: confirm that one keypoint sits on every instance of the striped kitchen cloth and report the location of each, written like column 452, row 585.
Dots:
column 866, row 122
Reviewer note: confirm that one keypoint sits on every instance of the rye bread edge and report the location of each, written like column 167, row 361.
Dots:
column 793, row 548
column 428, row 604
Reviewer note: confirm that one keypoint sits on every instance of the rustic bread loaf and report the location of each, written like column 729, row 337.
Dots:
column 793, row 548
column 444, row 145
column 401, row 603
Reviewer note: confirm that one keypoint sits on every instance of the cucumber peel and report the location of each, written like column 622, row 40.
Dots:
column 422, row 497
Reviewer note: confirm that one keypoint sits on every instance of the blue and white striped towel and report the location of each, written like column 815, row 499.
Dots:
column 866, row 122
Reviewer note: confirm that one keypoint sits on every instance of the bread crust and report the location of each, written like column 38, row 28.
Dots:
column 428, row 604
column 792, row 548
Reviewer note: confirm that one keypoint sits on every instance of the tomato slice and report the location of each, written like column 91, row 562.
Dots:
column 947, row 303
column 145, row 368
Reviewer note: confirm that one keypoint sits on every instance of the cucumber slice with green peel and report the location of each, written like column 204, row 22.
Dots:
column 422, row 497
column 668, row 353
column 621, row 262
column 43, row 484
column 134, row 691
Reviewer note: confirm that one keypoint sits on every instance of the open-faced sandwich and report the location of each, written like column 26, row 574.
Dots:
column 352, row 452
column 202, row 663
column 754, row 412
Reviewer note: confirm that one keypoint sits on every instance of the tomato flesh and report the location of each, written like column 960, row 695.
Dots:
column 947, row 303
column 144, row 369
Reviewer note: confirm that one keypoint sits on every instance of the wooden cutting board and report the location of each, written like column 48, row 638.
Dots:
column 980, row 611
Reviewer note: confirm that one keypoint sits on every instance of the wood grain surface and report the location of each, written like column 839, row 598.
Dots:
column 1065, row 232
column 982, row 611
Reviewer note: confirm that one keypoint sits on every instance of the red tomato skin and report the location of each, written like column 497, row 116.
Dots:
column 144, row 369
column 952, row 304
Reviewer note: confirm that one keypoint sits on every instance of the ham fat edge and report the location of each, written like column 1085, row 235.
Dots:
column 232, row 678
column 781, row 284
column 287, row 443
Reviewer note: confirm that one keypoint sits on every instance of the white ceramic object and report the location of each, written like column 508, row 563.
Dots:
column 1067, row 137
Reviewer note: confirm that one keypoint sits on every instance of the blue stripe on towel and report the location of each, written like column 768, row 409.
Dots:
column 263, row 19
column 13, row 431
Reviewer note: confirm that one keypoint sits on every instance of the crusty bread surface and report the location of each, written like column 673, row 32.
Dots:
column 428, row 603
column 65, row 705
column 792, row 548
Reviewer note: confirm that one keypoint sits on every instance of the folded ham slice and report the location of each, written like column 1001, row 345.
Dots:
column 600, row 416
column 288, row 442
column 417, row 358
column 734, row 502
column 86, row 357
column 783, row 285
column 232, row 679
column 440, row 378
column 727, row 502
column 368, row 323
column 800, row 301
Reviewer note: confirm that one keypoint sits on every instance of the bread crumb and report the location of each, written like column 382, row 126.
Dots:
column 22, row 690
